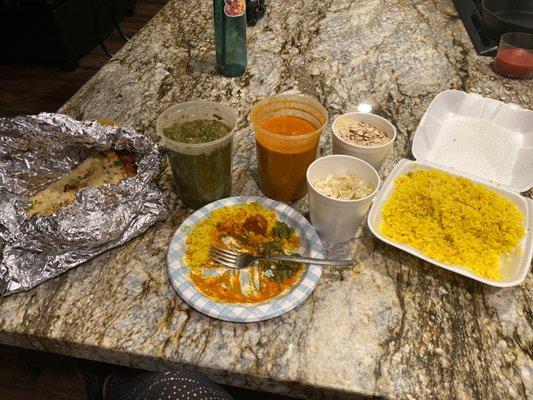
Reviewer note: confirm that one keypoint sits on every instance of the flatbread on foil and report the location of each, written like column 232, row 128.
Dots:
column 36, row 152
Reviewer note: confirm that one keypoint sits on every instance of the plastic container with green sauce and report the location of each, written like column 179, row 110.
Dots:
column 202, row 171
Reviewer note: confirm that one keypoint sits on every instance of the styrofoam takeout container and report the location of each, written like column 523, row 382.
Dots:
column 514, row 269
column 373, row 155
column 335, row 220
column 486, row 159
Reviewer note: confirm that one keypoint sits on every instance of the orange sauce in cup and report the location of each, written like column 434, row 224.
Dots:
column 288, row 125
column 283, row 163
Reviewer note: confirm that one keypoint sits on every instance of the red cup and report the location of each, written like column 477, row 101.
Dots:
column 515, row 55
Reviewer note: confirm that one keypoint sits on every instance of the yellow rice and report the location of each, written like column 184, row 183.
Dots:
column 453, row 220
column 200, row 239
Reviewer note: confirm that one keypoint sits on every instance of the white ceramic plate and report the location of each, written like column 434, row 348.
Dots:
column 513, row 272
column 179, row 272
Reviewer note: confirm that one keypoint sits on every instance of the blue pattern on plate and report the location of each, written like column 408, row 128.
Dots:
column 179, row 272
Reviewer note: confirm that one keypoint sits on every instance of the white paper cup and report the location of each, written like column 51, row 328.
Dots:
column 373, row 155
column 337, row 220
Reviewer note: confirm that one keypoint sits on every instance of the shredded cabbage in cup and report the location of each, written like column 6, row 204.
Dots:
column 345, row 186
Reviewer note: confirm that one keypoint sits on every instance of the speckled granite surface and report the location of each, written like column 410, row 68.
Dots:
column 396, row 327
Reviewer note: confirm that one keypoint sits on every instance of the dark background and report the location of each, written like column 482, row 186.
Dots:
column 29, row 87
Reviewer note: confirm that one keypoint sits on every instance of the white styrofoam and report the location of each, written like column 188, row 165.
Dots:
column 374, row 155
column 503, row 155
column 335, row 220
column 514, row 269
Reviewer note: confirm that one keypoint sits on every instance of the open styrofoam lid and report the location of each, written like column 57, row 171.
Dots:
column 486, row 138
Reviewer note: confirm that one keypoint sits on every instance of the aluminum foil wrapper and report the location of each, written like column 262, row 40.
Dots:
column 36, row 151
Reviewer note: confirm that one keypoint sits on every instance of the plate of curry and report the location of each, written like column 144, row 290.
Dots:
column 256, row 225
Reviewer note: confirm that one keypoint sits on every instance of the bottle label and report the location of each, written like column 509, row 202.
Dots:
column 234, row 8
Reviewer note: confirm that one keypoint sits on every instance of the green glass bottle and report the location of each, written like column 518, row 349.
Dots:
column 230, row 36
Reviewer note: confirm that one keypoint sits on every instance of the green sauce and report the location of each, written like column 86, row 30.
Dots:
column 205, row 177
column 197, row 131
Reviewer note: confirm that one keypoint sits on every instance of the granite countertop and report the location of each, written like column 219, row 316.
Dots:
column 396, row 326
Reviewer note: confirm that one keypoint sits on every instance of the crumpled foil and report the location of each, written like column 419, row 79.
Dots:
column 36, row 151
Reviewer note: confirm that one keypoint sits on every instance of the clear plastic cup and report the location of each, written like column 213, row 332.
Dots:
column 283, row 159
column 335, row 220
column 202, row 172
column 515, row 55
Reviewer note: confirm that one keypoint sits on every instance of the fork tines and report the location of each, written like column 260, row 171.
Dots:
column 220, row 250
column 225, row 257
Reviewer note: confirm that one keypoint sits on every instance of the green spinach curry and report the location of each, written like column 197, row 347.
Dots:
column 202, row 174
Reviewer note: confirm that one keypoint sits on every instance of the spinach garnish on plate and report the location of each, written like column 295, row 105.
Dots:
column 277, row 271
column 282, row 230
column 272, row 248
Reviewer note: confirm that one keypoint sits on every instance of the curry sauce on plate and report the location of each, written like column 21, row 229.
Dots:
column 246, row 228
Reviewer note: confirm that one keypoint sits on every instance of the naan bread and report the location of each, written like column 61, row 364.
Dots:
column 97, row 170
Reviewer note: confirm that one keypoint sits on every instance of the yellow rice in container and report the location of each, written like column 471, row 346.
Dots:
column 453, row 220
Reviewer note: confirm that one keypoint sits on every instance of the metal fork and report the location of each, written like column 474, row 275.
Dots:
column 233, row 259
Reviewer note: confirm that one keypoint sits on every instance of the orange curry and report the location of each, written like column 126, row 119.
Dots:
column 288, row 125
column 283, row 162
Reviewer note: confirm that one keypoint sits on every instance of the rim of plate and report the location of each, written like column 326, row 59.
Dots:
column 178, row 272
